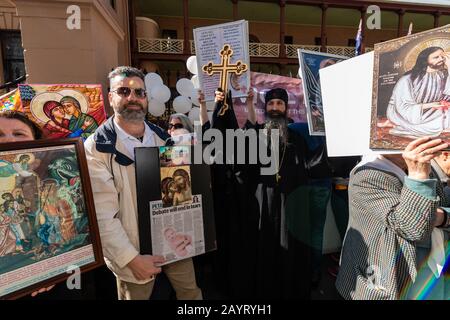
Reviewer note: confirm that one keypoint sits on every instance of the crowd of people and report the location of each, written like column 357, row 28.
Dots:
column 391, row 210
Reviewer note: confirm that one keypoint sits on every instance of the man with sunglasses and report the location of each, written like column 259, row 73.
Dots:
column 110, row 154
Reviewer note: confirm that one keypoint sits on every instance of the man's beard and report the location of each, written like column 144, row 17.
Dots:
column 132, row 114
column 277, row 120
column 437, row 66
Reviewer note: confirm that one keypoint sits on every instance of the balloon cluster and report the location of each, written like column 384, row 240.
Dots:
column 158, row 94
column 188, row 90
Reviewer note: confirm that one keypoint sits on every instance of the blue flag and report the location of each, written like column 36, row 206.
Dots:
column 358, row 39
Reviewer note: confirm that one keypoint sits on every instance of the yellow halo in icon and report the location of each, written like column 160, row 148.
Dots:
column 411, row 57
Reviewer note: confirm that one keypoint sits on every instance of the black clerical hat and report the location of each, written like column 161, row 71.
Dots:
column 277, row 93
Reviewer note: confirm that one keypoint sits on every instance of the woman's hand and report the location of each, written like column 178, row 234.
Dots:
column 418, row 155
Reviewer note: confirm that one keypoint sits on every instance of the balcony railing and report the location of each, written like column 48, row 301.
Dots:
column 264, row 49
column 192, row 47
column 160, row 45
column 342, row 51
column 291, row 49
column 270, row 50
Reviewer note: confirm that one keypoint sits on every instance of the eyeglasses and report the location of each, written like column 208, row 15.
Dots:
column 125, row 92
column 175, row 126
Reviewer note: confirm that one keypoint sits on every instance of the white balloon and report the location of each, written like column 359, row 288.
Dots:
column 191, row 64
column 152, row 79
column 195, row 97
column 160, row 93
column 210, row 105
column 194, row 115
column 195, row 81
column 182, row 104
column 185, row 87
column 156, row 107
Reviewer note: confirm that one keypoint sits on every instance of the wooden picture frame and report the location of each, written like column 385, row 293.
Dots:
column 48, row 224
column 410, row 96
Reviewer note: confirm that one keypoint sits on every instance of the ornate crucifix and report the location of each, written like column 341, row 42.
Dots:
column 225, row 68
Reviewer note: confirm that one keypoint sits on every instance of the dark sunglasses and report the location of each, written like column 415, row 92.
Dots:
column 175, row 126
column 125, row 92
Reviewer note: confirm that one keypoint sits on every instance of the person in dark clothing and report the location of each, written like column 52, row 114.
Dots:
column 276, row 204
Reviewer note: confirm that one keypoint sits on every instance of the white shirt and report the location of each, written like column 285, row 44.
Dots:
column 130, row 142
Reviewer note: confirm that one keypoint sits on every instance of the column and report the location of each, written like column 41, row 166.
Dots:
column 437, row 16
column 401, row 14
column 187, row 44
column 323, row 29
column 235, row 10
column 282, row 28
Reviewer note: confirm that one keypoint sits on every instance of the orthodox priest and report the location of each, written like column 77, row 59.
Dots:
column 281, row 240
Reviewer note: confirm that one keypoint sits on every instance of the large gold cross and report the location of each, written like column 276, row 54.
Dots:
column 225, row 68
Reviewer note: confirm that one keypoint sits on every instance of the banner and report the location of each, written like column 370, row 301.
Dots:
column 261, row 83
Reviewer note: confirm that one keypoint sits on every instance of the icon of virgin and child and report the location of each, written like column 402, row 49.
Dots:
column 64, row 116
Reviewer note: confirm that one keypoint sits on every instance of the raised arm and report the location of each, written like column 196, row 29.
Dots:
column 251, row 115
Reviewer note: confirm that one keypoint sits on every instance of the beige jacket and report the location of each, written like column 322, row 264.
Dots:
column 114, row 190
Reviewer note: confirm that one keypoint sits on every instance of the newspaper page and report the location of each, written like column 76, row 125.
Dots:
column 209, row 41
column 177, row 231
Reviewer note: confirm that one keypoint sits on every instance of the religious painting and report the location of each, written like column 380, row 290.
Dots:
column 175, row 186
column 411, row 89
column 48, row 226
column 310, row 63
column 263, row 82
column 223, row 59
column 175, row 206
column 64, row 110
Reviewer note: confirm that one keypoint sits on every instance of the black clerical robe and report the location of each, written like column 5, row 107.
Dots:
column 283, row 246
column 263, row 224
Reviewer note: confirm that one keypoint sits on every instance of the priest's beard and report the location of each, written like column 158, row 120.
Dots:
column 277, row 120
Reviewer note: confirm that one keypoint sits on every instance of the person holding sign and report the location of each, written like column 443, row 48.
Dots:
column 398, row 227
column 110, row 154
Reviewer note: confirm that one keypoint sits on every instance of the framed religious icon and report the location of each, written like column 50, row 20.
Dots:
column 411, row 89
column 48, row 226
column 63, row 110
column 310, row 63
column 175, row 206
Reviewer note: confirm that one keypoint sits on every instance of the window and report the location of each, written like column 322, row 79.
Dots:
column 12, row 54
column 288, row 40
column 169, row 34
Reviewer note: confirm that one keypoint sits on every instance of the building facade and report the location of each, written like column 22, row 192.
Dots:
column 38, row 44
